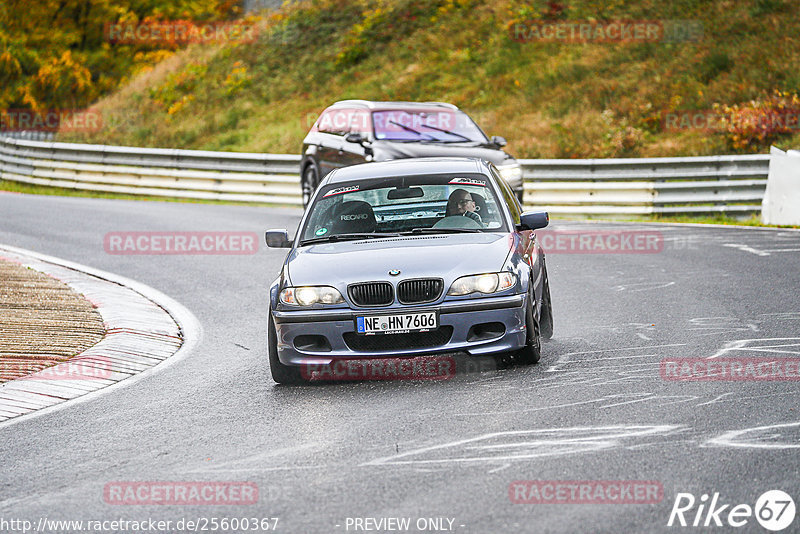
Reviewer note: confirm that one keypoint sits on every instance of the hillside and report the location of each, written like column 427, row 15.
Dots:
column 550, row 98
column 56, row 55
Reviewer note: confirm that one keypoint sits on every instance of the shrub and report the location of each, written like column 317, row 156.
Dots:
column 759, row 123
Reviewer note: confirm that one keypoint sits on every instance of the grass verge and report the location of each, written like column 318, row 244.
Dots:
column 32, row 189
column 549, row 98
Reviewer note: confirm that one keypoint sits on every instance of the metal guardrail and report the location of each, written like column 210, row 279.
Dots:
column 728, row 184
column 194, row 174
column 709, row 184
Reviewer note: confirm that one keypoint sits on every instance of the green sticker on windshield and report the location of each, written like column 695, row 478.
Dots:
column 321, row 231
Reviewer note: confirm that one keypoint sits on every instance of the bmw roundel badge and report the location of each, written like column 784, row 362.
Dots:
column 394, row 272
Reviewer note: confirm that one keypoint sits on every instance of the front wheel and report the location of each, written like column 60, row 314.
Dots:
column 532, row 351
column 282, row 374
column 309, row 182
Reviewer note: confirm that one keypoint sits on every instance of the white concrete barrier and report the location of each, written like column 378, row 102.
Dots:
column 781, row 203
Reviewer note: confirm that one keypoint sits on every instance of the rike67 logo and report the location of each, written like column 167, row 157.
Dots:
column 774, row 510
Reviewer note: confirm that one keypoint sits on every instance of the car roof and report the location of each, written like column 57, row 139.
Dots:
column 408, row 167
column 371, row 104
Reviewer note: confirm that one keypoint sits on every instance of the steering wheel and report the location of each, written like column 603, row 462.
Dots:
column 458, row 221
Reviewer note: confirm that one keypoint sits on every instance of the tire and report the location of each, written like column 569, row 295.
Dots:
column 282, row 374
column 546, row 315
column 532, row 351
column 308, row 182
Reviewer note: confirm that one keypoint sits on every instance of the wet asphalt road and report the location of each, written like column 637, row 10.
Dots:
column 595, row 407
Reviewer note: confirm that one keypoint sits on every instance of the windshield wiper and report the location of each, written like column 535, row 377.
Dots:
column 417, row 231
column 412, row 130
column 345, row 237
column 448, row 132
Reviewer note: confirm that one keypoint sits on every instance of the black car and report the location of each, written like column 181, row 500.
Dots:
column 359, row 131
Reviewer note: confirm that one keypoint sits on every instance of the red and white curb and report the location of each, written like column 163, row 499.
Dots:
column 144, row 329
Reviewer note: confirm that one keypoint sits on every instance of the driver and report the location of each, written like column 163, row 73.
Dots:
column 461, row 203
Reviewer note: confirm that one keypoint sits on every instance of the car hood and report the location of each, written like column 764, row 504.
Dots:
column 387, row 150
column 441, row 256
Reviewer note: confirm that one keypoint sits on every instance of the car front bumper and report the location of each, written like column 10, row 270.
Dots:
column 337, row 326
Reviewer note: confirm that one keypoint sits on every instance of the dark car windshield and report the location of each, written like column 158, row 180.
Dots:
column 434, row 125
column 388, row 207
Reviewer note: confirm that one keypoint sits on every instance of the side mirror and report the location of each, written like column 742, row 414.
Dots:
column 355, row 138
column 499, row 141
column 533, row 220
column 278, row 239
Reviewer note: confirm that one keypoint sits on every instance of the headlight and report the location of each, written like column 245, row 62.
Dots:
column 511, row 173
column 310, row 295
column 482, row 283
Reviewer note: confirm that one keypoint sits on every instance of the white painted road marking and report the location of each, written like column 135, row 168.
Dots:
column 760, row 437
column 760, row 345
column 525, row 444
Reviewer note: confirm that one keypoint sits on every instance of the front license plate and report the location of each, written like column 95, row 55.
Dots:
column 397, row 324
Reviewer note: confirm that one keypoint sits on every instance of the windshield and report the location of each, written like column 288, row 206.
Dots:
column 433, row 126
column 402, row 205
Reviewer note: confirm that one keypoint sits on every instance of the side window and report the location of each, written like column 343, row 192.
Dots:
column 334, row 121
column 509, row 196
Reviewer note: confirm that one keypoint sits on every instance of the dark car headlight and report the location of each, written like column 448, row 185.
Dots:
column 310, row 295
column 482, row 283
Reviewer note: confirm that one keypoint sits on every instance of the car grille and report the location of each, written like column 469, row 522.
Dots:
column 419, row 291
column 412, row 340
column 371, row 294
